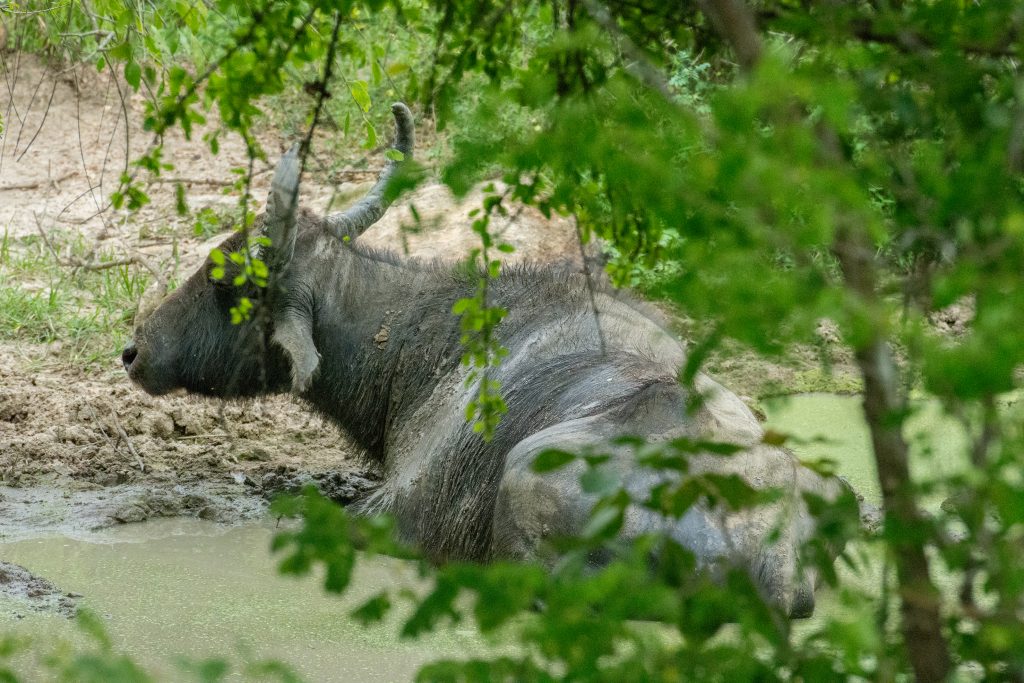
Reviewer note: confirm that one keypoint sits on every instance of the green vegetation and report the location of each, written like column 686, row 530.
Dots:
column 53, row 290
column 762, row 166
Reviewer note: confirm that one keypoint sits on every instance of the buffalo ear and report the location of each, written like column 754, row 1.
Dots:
column 279, row 220
column 294, row 334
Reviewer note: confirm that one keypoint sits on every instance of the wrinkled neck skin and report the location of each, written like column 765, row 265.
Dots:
column 375, row 322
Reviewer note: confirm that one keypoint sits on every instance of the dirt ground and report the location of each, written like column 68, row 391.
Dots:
column 80, row 447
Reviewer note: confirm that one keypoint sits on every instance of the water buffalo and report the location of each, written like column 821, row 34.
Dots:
column 369, row 340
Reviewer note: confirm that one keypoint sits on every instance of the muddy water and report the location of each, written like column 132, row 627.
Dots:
column 175, row 587
column 186, row 587
column 831, row 426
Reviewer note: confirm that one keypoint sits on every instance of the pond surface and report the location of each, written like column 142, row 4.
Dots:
column 174, row 587
column 185, row 587
column 831, row 426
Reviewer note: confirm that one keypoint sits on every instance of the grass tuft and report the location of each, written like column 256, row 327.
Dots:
column 42, row 301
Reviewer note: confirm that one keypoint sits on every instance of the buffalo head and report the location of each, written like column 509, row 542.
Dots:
column 190, row 341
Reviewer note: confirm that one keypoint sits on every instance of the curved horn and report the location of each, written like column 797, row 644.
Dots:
column 368, row 210
column 279, row 221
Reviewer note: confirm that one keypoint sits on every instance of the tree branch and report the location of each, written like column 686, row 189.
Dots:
column 884, row 403
column 913, row 42
column 735, row 22
column 906, row 526
column 640, row 65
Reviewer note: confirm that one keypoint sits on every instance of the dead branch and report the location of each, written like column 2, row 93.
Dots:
column 35, row 184
column 128, row 442
column 75, row 263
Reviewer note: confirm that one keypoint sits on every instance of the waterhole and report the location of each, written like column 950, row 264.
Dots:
column 188, row 588
column 184, row 587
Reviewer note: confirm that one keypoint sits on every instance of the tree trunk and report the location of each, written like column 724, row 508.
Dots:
column 884, row 403
column 906, row 529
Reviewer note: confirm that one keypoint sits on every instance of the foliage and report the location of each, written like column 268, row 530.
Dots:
column 98, row 661
column 867, row 173
column 478, row 322
column 762, row 167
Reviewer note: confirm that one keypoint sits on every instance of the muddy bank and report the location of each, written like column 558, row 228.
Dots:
column 77, row 509
column 68, row 418
column 22, row 591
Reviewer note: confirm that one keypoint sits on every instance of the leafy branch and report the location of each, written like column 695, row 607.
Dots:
column 482, row 352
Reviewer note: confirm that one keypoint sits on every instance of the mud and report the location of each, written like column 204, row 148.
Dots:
column 20, row 590
column 66, row 427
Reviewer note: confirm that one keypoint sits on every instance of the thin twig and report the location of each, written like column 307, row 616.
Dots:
column 76, row 263
column 100, row 265
column 42, row 122
column 590, row 284
column 639, row 65
column 127, row 130
column 99, row 425
column 28, row 110
column 30, row 12
column 32, row 185
column 128, row 442
column 217, row 182
column 81, row 146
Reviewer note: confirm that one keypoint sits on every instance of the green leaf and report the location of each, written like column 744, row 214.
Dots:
column 180, row 205
column 361, row 94
column 133, row 74
column 551, row 459
column 371, row 136
column 394, row 155
column 599, row 480
column 91, row 625
column 433, row 608
column 373, row 610
column 603, row 524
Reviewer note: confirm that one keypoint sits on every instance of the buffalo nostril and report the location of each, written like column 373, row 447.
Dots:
column 129, row 354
